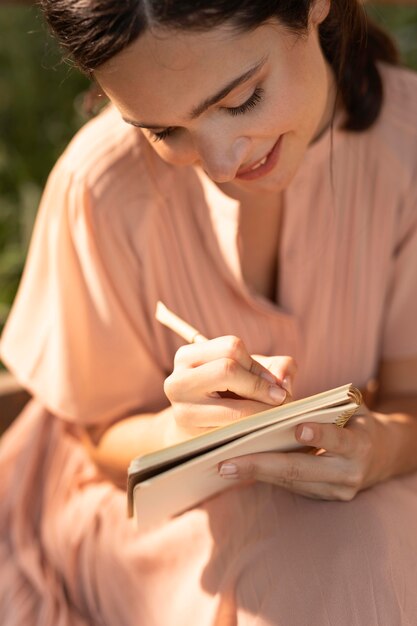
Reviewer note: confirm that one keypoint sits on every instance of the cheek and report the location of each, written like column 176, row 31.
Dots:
column 289, row 105
column 301, row 110
column 290, row 110
column 167, row 152
column 298, row 100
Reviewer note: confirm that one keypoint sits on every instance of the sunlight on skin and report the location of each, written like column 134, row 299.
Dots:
column 160, row 78
column 158, row 81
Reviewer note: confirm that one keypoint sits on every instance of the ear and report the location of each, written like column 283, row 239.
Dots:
column 320, row 9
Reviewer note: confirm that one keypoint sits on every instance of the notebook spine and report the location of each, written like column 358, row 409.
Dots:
column 345, row 417
column 355, row 395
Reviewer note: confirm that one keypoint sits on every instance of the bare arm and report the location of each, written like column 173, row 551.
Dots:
column 201, row 370
column 224, row 366
column 113, row 448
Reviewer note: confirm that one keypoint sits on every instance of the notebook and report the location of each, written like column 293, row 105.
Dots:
column 169, row 481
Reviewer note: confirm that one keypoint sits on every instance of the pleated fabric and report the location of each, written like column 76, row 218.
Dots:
column 117, row 230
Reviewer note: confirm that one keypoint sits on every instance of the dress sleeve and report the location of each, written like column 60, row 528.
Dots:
column 399, row 338
column 77, row 336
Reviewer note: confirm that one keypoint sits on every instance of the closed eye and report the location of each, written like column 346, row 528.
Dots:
column 250, row 103
column 163, row 134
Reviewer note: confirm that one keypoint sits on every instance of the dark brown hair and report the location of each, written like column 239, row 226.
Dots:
column 93, row 31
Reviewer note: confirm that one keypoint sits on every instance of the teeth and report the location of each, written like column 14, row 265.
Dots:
column 255, row 167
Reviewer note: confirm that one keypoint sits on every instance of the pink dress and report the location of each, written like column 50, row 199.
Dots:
column 118, row 229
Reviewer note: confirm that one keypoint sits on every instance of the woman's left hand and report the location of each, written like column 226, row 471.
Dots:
column 340, row 463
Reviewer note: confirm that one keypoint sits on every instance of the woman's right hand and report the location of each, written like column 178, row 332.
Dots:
column 217, row 382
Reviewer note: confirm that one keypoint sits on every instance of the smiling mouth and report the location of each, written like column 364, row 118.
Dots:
column 262, row 162
column 257, row 164
column 263, row 166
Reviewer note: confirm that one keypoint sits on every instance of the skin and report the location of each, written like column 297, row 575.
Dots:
column 184, row 67
column 158, row 81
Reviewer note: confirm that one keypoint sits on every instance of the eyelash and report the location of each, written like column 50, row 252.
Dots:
column 250, row 103
column 162, row 135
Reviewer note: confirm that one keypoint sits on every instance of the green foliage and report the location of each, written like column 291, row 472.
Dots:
column 39, row 112
column 40, row 109
column 401, row 22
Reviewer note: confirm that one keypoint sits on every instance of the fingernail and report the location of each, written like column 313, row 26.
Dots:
column 286, row 383
column 228, row 470
column 277, row 394
column 307, row 434
column 269, row 377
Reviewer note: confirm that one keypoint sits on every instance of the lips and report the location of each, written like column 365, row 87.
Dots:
column 263, row 166
column 255, row 165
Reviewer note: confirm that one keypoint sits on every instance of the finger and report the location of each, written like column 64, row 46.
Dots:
column 320, row 480
column 335, row 440
column 224, row 374
column 231, row 347
column 284, row 468
column 284, row 368
column 321, row 491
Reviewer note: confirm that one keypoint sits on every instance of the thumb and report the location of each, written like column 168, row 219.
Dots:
column 284, row 368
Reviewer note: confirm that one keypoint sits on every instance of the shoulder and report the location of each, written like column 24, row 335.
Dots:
column 112, row 173
column 114, row 161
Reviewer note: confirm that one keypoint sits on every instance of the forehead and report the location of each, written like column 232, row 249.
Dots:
column 167, row 68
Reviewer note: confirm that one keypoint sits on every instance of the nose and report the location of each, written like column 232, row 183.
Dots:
column 221, row 157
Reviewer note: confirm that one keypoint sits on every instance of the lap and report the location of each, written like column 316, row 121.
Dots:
column 275, row 557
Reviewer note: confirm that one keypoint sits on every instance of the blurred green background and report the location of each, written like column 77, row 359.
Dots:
column 41, row 107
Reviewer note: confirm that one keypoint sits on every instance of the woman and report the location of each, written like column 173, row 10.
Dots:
column 255, row 172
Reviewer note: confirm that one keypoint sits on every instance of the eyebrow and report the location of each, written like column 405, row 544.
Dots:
column 208, row 102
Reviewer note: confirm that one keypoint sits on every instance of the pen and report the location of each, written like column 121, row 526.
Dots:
column 191, row 334
column 175, row 323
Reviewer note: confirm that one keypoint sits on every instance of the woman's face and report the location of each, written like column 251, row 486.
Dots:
column 242, row 106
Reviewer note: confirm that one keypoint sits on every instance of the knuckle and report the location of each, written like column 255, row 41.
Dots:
column 286, row 483
column 173, row 386
column 181, row 355
column 259, row 384
column 249, row 471
column 229, row 367
column 292, row 473
column 255, row 367
column 354, row 479
column 234, row 347
column 288, row 363
column 169, row 386
column 292, row 364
